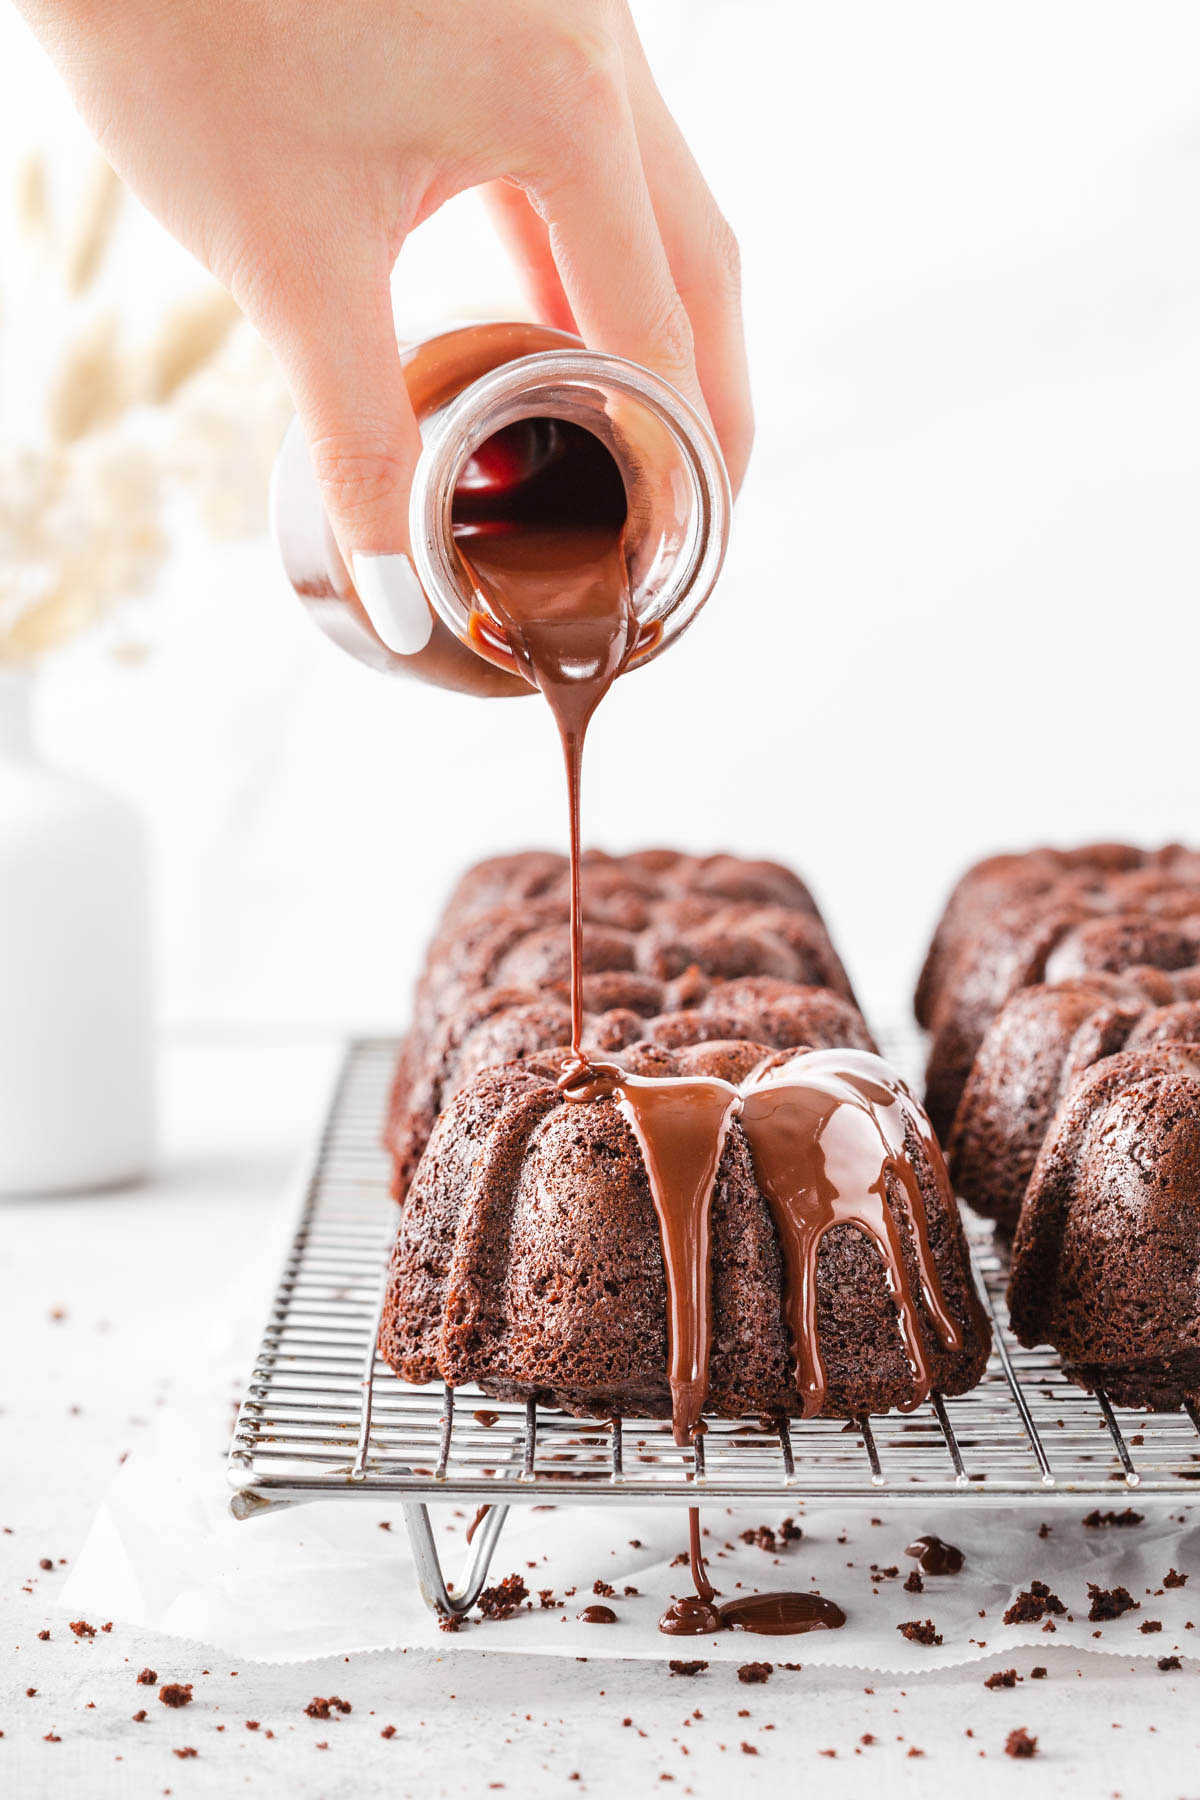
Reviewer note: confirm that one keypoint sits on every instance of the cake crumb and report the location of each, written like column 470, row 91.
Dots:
column 503, row 1600
column 1003, row 1678
column 1019, row 1743
column 920, row 1631
column 1032, row 1604
column 755, row 1672
column 325, row 1709
column 1110, row 1603
column 679, row 1667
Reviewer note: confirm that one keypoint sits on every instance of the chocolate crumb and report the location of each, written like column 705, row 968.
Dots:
column 755, row 1672
column 1032, row 1604
column 679, row 1667
column 1174, row 1579
column 450, row 1622
column 503, row 1600
column 1149, row 1625
column 139, row 1718
column 1094, row 1520
column 1110, row 1603
column 187, row 1751
column 1003, row 1678
column 1037, row 1673
column 763, row 1536
column 1019, row 1743
column 389, row 1731
column 82, row 1629
column 148, row 1677
column 913, row 1583
column 920, row 1631
column 1169, row 1662
column 176, row 1693
column 325, row 1709
column 605, row 1589
column 47, row 1562
column 43, row 1637
column 749, row 1750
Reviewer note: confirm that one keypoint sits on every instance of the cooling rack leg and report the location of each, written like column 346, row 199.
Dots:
column 434, row 1591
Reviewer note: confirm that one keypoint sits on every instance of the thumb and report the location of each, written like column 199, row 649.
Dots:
column 342, row 365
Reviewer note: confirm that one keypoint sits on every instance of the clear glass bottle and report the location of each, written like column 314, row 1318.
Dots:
column 503, row 407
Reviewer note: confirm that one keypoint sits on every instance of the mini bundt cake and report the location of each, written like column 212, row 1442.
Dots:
column 1032, row 1053
column 1142, row 917
column 530, row 1259
column 1106, row 1259
column 996, row 882
column 504, row 1025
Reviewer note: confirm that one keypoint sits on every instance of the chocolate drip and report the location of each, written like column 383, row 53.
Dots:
column 935, row 1555
column 597, row 1615
column 681, row 1127
column 480, row 1515
column 828, row 1132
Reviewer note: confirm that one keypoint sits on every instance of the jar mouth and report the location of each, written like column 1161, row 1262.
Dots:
column 577, row 386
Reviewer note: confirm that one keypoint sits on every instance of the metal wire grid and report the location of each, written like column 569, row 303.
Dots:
column 324, row 1418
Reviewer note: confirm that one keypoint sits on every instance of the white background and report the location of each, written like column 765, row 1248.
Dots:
column 959, row 608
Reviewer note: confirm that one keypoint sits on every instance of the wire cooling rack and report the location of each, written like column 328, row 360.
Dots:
column 324, row 1418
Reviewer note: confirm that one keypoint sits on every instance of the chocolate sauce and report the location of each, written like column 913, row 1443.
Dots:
column 539, row 523
column 597, row 1615
column 547, row 563
column 483, row 1417
column 480, row 1515
column 935, row 1556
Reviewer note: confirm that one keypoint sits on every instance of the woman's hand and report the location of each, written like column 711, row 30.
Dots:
column 294, row 144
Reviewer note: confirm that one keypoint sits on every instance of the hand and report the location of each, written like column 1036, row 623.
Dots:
column 294, row 144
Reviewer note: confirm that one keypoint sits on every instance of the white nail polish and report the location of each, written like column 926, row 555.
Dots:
column 393, row 601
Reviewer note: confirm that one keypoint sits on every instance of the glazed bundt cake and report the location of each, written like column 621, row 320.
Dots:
column 543, row 1225
column 530, row 1254
column 1106, row 1259
column 1034, row 1051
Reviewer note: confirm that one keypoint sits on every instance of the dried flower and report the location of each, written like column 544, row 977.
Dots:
column 99, row 444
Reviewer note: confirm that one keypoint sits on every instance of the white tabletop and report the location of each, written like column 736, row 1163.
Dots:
column 109, row 1307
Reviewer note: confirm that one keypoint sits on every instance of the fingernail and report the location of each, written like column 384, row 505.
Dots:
column 393, row 601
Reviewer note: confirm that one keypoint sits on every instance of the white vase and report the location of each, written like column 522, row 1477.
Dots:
column 76, row 1085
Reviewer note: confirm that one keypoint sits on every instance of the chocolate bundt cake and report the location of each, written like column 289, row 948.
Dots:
column 1106, row 1259
column 504, row 1025
column 1084, row 923
column 999, row 880
column 1034, row 1051
column 530, row 1254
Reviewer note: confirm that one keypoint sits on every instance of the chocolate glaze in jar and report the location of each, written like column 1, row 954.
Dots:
column 525, row 433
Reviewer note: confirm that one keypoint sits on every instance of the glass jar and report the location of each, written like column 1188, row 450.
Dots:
column 502, row 408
